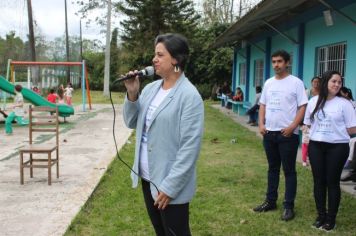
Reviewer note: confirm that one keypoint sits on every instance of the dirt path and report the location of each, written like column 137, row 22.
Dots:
column 86, row 150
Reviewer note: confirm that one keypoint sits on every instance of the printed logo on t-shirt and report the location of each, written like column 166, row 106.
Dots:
column 274, row 102
column 324, row 125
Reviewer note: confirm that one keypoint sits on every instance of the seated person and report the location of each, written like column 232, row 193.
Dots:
column 226, row 93
column 226, row 90
column 52, row 97
column 351, row 175
column 239, row 97
column 252, row 112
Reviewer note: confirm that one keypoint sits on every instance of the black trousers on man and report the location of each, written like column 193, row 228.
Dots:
column 281, row 150
column 172, row 221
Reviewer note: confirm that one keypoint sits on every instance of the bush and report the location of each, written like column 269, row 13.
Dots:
column 204, row 90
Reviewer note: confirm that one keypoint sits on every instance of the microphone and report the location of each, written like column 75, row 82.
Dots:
column 148, row 71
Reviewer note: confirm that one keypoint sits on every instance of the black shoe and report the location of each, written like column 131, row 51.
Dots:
column 266, row 206
column 328, row 226
column 349, row 177
column 320, row 220
column 288, row 214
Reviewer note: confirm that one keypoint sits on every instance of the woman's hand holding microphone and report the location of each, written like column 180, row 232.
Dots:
column 132, row 86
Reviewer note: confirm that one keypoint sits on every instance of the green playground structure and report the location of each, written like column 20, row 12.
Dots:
column 35, row 99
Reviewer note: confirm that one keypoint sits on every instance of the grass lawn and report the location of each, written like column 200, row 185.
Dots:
column 231, row 181
column 97, row 97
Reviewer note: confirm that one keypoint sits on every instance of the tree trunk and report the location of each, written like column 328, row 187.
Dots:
column 67, row 40
column 232, row 11
column 107, row 52
column 34, row 69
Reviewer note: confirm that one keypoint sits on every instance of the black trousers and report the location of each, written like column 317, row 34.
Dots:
column 172, row 221
column 281, row 150
column 327, row 161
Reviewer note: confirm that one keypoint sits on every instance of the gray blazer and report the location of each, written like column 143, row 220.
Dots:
column 174, row 138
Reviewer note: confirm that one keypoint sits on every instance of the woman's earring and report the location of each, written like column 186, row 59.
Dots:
column 176, row 69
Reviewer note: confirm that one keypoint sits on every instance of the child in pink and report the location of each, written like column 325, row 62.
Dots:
column 305, row 143
column 68, row 93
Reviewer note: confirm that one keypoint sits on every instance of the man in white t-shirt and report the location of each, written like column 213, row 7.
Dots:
column 282, row 107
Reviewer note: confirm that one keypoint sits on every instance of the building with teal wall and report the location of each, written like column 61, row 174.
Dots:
column 319, row 34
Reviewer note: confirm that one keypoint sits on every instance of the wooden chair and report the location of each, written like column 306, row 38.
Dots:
column 41, row 119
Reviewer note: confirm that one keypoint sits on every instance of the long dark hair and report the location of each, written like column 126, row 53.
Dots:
column 323, row 93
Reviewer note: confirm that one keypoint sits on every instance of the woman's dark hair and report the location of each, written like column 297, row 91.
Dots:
column 258, row 89
column 348, row 91
column 285, row 55
column 323, row 94
column 177, row 46
column 314, row 78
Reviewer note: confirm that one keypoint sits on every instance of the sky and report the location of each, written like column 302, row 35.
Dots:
column 49, row 17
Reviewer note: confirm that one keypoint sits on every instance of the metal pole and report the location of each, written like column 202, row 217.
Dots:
column 83, row 84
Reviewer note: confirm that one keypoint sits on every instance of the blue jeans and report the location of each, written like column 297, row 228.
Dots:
column 281, row 150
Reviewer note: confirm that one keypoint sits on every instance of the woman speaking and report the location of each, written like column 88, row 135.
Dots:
column 168, row 116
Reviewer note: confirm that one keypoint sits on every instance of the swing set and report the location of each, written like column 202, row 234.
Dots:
column 10, row 75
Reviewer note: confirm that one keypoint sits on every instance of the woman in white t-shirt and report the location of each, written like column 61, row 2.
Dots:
column 331, row 119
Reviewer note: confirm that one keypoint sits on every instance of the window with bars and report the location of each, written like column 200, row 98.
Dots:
column 259, row 68
column 331, row 57
column 242, row 76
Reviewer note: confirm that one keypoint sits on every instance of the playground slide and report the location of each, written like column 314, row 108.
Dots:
column 34, row 98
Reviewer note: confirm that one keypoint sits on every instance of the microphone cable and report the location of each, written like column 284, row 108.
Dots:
column 117, row 149
column 119, row 157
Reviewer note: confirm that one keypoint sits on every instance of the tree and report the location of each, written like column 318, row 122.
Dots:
column 95, row 65
column 209, row 66
column 114, row 56
column 225, row 11
column 88, row 6
column 149, row 18
column 107, row 50
column 12, row 47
